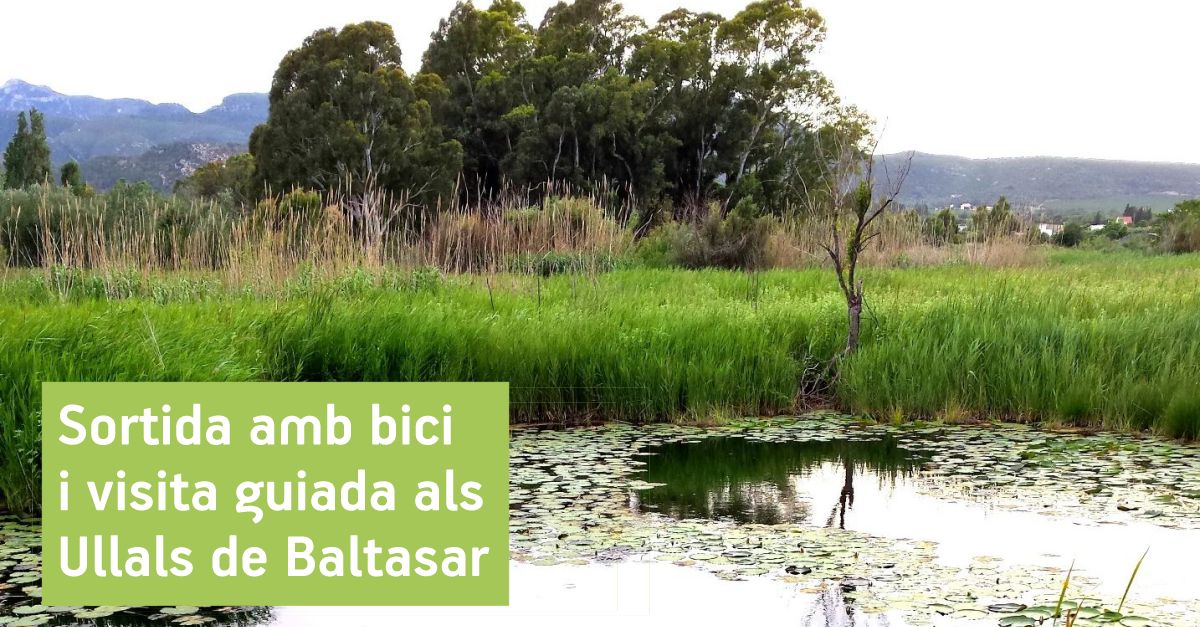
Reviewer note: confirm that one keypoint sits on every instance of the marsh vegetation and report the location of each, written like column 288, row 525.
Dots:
column 1086, row 341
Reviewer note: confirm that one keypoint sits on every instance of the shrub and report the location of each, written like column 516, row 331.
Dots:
column 656, row 249
column 740, row 240
column 1072, row 234
column 1114, row 230
column 1181, row 234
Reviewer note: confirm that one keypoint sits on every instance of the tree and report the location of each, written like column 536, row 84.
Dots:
column 990, row 222
column 851, row 202
column 475, row 53
column 345, row 116
column 231, row 179
column 27, row 157
column 1071, row 235
column 691, row 97
column 778, row 96
column 1114, row 230
column 694, row 107
column 1139, row 215
column 1179, row 230
column 71, row 177
column 14, row 155
column 942, row 227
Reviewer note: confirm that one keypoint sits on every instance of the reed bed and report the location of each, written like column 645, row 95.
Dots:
column 263, row 246
column 1086, row 340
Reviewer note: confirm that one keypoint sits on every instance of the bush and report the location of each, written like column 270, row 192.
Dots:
column 1181, row 235
column 656, row 249
column 740, row 240
column 1115, row 230
column 1072, row 235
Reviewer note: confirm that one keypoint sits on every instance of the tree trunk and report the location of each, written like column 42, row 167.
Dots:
column 854, row 312
column 847, row 496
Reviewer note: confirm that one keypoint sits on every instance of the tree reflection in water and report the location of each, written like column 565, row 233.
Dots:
column 832, row 609
column 753, row 481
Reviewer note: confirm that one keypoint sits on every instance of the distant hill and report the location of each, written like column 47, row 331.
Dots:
column 160, row 166
column 1061, row 184
column 85, row 127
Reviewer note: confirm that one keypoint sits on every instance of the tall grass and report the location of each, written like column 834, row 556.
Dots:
column 1086, row 340
column 133, row 228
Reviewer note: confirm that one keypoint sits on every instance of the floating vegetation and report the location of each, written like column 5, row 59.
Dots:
column 593, row 495
column 21, row 593
column 625, row 493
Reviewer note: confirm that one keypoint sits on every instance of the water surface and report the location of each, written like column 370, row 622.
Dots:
column 812, row 521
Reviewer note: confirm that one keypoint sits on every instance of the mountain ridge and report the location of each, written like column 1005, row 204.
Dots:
column 1057, row 182
column 81, row 128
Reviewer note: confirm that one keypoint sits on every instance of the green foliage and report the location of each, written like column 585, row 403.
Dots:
column 1141, row 215
column 995, row 221
column 740, row 240
column 162, row 166
column 230, row 180
column 1116, row 350
column 301, row 202
column 1182, row 417
column 941, row 228
column 345, row 116
column 71, row 177
column 297, row 216
column 27, row 157
column 1073, row 234
column 151, row 223
column 556, row 262
column 1180, row 229
column 690, row 108
column 1114, row 230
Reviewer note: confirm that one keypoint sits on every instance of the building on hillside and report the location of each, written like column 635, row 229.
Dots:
column 966, row 206
column 1126, row 220
column 1049, row 230
column 1096, row 227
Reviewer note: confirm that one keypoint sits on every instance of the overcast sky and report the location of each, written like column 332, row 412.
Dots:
column 981, row 78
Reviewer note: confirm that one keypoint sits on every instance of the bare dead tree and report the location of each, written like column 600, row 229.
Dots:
column 850, row 201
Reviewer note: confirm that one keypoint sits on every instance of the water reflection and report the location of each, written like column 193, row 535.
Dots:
column 151, row 617
column 754, row 481
column 832, row 608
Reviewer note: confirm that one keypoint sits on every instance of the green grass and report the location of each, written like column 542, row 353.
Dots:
column 1089, row 340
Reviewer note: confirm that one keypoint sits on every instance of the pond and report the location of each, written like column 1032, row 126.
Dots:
column 754, row 481
column 818, row 520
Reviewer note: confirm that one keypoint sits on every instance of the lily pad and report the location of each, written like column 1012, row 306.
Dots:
column 181, row 610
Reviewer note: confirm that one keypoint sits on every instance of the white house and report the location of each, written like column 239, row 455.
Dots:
column 1049, row 230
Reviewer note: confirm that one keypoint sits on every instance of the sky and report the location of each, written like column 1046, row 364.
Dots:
column 978, row 78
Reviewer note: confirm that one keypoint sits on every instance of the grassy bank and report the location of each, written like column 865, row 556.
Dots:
column 1086, row 340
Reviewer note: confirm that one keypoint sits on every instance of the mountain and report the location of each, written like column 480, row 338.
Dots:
column 160, row 166
column 85, row 127
column 1063, row 184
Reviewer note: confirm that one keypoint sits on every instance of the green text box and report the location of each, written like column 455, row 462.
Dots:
column 477, row 452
